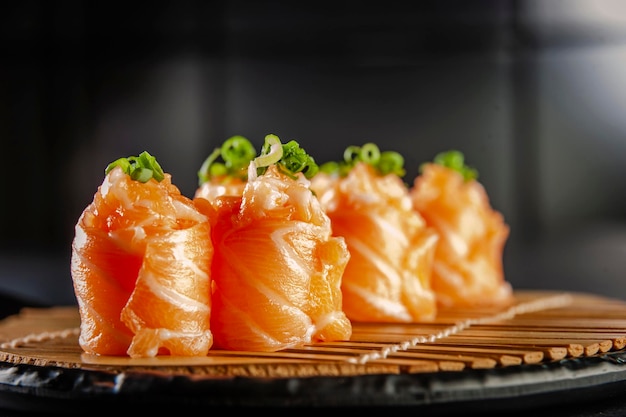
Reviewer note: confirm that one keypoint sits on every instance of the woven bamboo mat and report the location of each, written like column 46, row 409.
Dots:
column 539, row 327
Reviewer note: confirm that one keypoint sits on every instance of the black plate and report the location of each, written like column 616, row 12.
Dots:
column 590, row 386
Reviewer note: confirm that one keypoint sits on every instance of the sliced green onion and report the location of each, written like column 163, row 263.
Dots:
column 289, row 158
column 387, row 162
column 351, row 155
column 271, row 152
column 455, row 160
column 295, row 159
column 140, row 168
column 236, row 153
column 370, row 154
column 207, row 169
column 330, row 167
column 391, row 162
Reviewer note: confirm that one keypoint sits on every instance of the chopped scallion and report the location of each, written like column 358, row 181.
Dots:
column 290, row 158
column 230, row 159
column 140, row 168
column 455, row 160
column 387, row 162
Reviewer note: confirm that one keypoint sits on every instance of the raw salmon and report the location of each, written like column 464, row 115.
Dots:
column 276, row 268
column 220, row 186
column 387, row 278
column 141, row 270
column 468, row 269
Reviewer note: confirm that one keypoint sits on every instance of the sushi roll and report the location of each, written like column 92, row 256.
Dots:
column 140, row 266
column 276, row 268
column 387, row 278
column 468, row 268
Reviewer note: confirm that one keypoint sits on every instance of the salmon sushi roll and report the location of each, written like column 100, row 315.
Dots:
column 387, row 278
column 468, row 268
column 276, row 268
column 140, row 266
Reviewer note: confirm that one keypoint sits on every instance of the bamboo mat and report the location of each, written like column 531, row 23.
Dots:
column 539, row 327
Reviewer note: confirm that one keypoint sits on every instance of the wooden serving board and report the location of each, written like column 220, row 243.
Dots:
column 570, row 336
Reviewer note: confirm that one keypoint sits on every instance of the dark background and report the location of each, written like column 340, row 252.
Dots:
column 532, row 92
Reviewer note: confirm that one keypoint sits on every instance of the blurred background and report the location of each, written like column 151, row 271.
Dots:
column 532, row 92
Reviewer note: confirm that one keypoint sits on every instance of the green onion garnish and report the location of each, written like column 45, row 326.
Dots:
column 271, row 152
column 140, row 168
column 455, row 160
column 290, row 158
column 387, row 162
column 235, row 153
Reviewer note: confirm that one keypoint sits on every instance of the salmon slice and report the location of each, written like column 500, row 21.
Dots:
column 220, row 186
column 468, row 269
column 387, row 278
column 276, row 268
column 141, row 270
